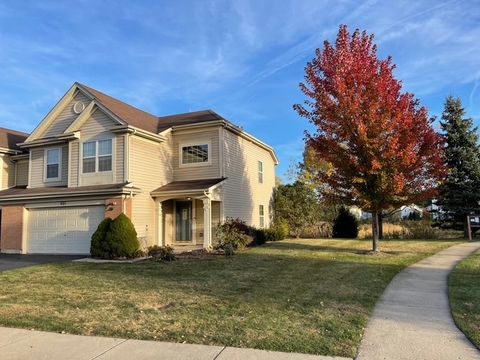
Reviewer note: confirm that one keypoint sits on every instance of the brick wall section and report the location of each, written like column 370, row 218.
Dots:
column 115, row 206
column 12, row 229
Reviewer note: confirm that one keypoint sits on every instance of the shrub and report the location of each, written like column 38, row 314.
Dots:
column 422, row 230
column 232, row 235
column 98, row 248
column 162, row 253
column 122, row 237
column 115, row 239
column 345, row 225
column 407, row 230
column 390, row 231
column 321, row 230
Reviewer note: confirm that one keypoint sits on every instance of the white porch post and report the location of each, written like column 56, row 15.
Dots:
column 207, row 223
column 160, row 240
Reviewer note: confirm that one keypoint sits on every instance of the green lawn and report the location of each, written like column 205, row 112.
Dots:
column 310, row 296
column 464, row 289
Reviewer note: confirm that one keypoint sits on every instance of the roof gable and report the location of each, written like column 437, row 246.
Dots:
column 130, row 114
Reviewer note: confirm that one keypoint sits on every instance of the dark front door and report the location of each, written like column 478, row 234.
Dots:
column 183, row 220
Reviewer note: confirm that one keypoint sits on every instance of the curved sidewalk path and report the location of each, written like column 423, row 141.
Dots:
column 412, row 320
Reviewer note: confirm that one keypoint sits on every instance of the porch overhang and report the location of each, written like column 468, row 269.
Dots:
column 187, row 188
column 205, row 190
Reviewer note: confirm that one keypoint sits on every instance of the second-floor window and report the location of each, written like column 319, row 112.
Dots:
column 195, row 154
column 52, row 164
column 260, row 172
column 97, row 156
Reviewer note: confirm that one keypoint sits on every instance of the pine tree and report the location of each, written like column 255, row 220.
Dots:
column 460, row 193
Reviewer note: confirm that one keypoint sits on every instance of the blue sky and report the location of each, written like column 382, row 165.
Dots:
column 243, row 59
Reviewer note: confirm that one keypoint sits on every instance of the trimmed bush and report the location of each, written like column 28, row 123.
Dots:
column 115, row 239
column 122, row 237
column 98, row 247
column 161, row 253
column 345, row 225
column 261, row 236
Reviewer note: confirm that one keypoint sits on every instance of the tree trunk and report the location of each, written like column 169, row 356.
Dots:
column 380, row 226
column 375, row 240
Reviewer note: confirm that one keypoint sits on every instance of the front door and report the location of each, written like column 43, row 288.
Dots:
column 183, row 219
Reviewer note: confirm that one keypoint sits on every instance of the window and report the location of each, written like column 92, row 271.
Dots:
column 195, row 154
column 260, row 172
column 262, row 216
column 52, row 164
column 97, row 156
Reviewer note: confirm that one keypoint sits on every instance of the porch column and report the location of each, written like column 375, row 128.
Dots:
column 160, row 241
column 207, row 223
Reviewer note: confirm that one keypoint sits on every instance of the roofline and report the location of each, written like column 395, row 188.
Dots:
column 139, row 132
column 9, row 151
column 56, row 108
column 118, row 191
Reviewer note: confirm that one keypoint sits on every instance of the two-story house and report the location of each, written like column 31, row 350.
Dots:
column 94, row 156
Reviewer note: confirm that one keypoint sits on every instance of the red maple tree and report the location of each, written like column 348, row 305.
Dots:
column 379, row 142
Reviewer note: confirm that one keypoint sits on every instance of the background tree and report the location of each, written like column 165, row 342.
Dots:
column 345, row 224
column 460, row 193
column 379, row 141
column 297, row 205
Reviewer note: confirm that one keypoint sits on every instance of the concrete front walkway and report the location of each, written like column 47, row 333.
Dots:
column 412, row 320
column 18, row 344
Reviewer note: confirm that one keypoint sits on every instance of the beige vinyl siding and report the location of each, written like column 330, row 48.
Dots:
column 97, row 127
column 120, row 159
column 8, row 172
column 195, row 171
column 22, row 173
column 38, row 167
column 150, row 167
column 74, row 163
column 65, row 118
column 242, row 192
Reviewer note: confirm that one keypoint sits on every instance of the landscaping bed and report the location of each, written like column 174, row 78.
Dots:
column 309, row 296
column 464, row 291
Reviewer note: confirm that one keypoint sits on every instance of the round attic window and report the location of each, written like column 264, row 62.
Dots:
column 78, row 107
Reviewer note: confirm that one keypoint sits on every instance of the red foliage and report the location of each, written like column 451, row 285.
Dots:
column 379, row 141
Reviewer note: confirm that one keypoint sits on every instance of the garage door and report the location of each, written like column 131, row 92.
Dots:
column 62, row 230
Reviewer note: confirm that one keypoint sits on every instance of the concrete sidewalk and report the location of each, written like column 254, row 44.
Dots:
column 18, row 344
column 412, row 320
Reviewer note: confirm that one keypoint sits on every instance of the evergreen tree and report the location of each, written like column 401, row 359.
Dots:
column 460, row 192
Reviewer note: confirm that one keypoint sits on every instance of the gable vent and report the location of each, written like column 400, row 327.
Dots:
column 78, row 107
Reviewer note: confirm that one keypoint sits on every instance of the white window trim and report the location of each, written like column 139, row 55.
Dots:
column 194, row 143
column 96, row 172
column 59, row 177
column 260, row 172
column 261, row 218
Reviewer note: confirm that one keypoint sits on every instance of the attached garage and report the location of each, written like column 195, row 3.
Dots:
column 66, row 230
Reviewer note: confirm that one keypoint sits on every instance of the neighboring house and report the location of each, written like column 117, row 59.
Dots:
column 407, row 211
column 94, row 156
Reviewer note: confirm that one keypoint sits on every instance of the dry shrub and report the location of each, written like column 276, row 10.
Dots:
column 321, row 230
column 405, row 230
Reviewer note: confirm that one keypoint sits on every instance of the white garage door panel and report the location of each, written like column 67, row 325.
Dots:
column 62, row 230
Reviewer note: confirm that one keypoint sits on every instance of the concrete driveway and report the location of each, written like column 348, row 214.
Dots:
column 15, row 261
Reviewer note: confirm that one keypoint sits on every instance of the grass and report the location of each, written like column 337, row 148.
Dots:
column 309, row 296
column 464, row 291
